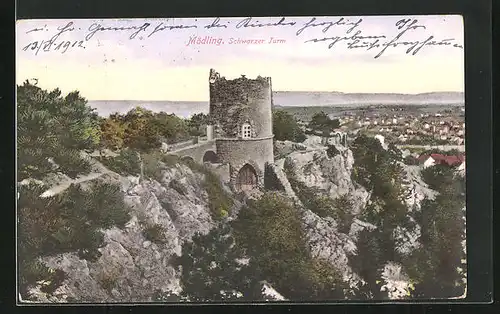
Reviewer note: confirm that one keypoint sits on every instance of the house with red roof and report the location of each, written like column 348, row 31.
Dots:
column 441, row 159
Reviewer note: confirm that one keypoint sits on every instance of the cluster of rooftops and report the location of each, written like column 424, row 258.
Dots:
column 450, row 160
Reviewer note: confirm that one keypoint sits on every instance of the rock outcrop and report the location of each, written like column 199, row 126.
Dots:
column 131, row 267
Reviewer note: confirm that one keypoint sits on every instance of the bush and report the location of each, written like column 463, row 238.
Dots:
column 321, row 122
column 155, row 233
column 32, row 271
column 332, row 151
column 271, row 181
column 438, row 177
column 126, row 163
column 170, row 160
column 178, row 187
column 152, row 166
column 219, row 201
column 209, row 266
column 411, row 161
column 71, row 163
column 285, row 127
column 270, row 230
column 50, row 125
column 67, row 222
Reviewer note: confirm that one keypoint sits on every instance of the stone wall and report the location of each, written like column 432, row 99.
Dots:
column 256, row 152
column 196, row 151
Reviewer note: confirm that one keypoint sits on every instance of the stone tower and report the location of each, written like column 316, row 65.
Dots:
column 241, row 125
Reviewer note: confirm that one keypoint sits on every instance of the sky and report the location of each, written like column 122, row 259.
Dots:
column 110, row 65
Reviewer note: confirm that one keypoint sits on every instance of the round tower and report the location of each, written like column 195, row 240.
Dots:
column 241, row 118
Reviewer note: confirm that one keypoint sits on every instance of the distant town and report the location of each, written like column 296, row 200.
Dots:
column 416, row 130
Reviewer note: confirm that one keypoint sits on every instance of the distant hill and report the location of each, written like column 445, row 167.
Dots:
column 296, row 98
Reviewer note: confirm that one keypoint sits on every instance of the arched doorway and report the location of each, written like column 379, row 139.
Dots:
column 246, row 179
column 210, row 157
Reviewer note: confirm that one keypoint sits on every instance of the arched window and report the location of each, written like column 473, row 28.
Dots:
column 246, row 131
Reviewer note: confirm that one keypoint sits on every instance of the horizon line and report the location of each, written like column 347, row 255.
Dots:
column 285, row 91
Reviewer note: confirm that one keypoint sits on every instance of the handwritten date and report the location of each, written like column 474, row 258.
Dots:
column 54, row 44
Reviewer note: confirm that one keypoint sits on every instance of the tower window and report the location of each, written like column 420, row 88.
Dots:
column 246, row 131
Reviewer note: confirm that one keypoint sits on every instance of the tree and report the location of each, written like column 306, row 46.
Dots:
column 270, row 231
column 322, row 122
column 112, row 132
column 196, row 122
column 434, row 267
column 210, row 265
column 68, row 222
column 285, row 127
column 52, row 126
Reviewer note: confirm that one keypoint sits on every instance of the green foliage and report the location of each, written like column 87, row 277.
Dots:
column 219, row 201
column 285, row 127
column 434, row 266
column 342, row 213
column 71, row 163
column 144, row 130
column 438, row 177
column 170, row 160
column 209, row 266
column 368, row 262
column 154, row 233
column 411, row 160
column 379, row 171
column 271, row 181
column 332, row 151
column 177, row 186
column 451, row 152
column 197, row 124
column 152, row 165
column 113, row 132
column 67, row 222
column 32, row 271
column 52, row 126
column 339, row 209
column 126, row 163
column 270, row 230
column 321, row 122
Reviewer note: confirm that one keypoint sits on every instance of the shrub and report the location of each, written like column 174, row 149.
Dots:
column 209, row 266
column 332, row 151
column 126, row 163
column 178, row 187
column 71, row 163
column 438, row 177
column 152, row 166
column 411, row 161
column 155, row 233
column 321, row 122
column 270, row 230
column 108, row 281
column 271, row 181
column 170, row 160
column 219, row 201
column 343, row 213
column 285, row 127
column 67, row 222
column 50, row 125
column 165, row 204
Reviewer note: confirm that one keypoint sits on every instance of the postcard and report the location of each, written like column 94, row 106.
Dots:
column 245, row 159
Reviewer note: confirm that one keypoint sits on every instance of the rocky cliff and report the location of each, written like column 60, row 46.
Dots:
column 176, row 205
